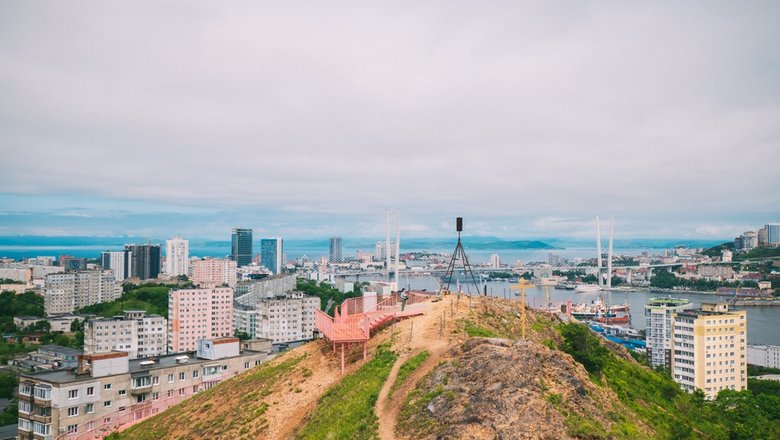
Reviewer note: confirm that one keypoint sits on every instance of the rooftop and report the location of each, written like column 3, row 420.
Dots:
column 167, row 361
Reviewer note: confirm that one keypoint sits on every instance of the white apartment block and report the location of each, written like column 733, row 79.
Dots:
column 764, row 355
column 195, row 314
column 658, row 329
column 710, row 349
column 214, row 272
column 109, row 391
column 284, row 318
column 121, row 262
column 177, row 256
column 137, row 333
column 66, row 292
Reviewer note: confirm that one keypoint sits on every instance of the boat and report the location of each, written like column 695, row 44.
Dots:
column 586, row 288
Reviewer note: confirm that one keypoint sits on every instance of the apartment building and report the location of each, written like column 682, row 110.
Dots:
column 195, row 314
column 66, row 292
column 177, row 256
column 285, row 318
column 710, row 349
column 658, row 330
column 214, row 272
column 135, row 332
column 108, row 390
column 764, row 355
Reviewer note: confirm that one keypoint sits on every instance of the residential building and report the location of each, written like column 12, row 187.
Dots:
column 195, row 314
column 241, row 246
column 271, row 254
column 66, row 292
column 772, row 234
column 762, row 237
column 177, row 256
column 120, row 262
column 59, row 323
column 145, row 260
column 335, row 250
column 285, row 318
column 726, row 256
column 109, row 391
column 70, row 262
column 214, row 272
column 658, row 328
column 135, row 332
column 716, row 272
column 764, row 355
column 709, row 349
column 41, row 261
column 250, row 292
column 49, row 357
column 495, row 261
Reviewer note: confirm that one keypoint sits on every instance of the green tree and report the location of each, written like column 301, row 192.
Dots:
column 584, row 346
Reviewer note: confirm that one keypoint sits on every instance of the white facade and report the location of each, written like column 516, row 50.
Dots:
column 658, row 330
column 764, row 355
column 136, row 333
column 495, row 261
column 66, row 292
column 177, row 256
column 120, row 262
column 282, row 319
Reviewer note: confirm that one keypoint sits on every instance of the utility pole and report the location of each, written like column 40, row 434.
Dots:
column 521, row 286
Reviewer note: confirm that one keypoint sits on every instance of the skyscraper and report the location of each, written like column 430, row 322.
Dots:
column 271, row 254
column 177, row 256
column 120, row 262
column 335, row 249
column 241, row 247
column 773, row 234
column 144, row 260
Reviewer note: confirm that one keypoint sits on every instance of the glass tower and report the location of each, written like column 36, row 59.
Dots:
column 241, row 247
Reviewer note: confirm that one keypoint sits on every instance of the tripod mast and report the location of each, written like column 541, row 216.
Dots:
column 460, row 253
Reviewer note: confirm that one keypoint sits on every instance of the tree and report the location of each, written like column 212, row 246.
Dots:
column 242, row 335
column 584, row 346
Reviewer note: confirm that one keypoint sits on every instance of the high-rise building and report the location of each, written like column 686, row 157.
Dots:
column 137, row 333
column 495, row 261
column 177, row 256
column 658, row 331
column 764, row 355
column 772, row 234
column 709, row 349
column 241, row 246
column 271, row 254
column 214, row 272
column 286, row 318
column 66, row 292
column 144, row 260
column 120, row 262
column 70, row 262
column 335, row 249
column 195, row 314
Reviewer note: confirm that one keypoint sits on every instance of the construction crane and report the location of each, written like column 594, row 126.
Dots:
column 521, row 286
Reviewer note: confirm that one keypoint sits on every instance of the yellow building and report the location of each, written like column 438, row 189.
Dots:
column 709, row 349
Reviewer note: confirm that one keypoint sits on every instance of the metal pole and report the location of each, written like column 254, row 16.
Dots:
column 387, row 245
column 397, row 249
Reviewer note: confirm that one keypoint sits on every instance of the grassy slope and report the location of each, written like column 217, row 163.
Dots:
column 406, row 369
column 346, row 411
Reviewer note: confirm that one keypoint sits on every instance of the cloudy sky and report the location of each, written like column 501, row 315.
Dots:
column 308, row 119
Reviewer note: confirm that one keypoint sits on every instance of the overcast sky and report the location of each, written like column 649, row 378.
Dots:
column 309, row 119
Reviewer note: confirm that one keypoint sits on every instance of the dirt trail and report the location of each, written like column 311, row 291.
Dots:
column 427, row 333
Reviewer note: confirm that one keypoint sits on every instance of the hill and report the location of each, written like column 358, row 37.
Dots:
column 462, row 371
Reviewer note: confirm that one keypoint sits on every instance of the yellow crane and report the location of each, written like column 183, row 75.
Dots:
column 521, row 286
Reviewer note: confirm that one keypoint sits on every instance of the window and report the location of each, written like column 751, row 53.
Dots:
column 155, row 396
column 73, row 394
column 194, row 389
column 194, row 374
column 90, row 408
column 182, row 376
column 170, row 378
column 90, row 391
column 44, row 411
column 156, row 380
column 26, row 389
column 43, row 393
column 170, row 393
column 122, row 392
column 25, row 424
column 73, row 411
column 25, row 406
column 107, row 403
column 181, row 391
column 72, row 429
column 40, row 428
column 107, row 386
column 246, row 365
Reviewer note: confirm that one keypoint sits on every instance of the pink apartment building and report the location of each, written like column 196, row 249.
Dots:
column 195, row 314
column 214, row 272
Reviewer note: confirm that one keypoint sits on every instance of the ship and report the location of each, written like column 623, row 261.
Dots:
column 597, row 311
column 586, row 288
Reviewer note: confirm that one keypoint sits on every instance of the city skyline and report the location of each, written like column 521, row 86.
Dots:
column 527, row 120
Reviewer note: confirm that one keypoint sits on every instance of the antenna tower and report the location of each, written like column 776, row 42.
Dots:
column 460, row 254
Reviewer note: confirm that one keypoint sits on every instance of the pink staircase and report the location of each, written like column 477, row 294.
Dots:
column 355, row 319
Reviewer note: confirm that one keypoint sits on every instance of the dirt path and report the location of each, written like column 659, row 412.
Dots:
column 427, row 333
